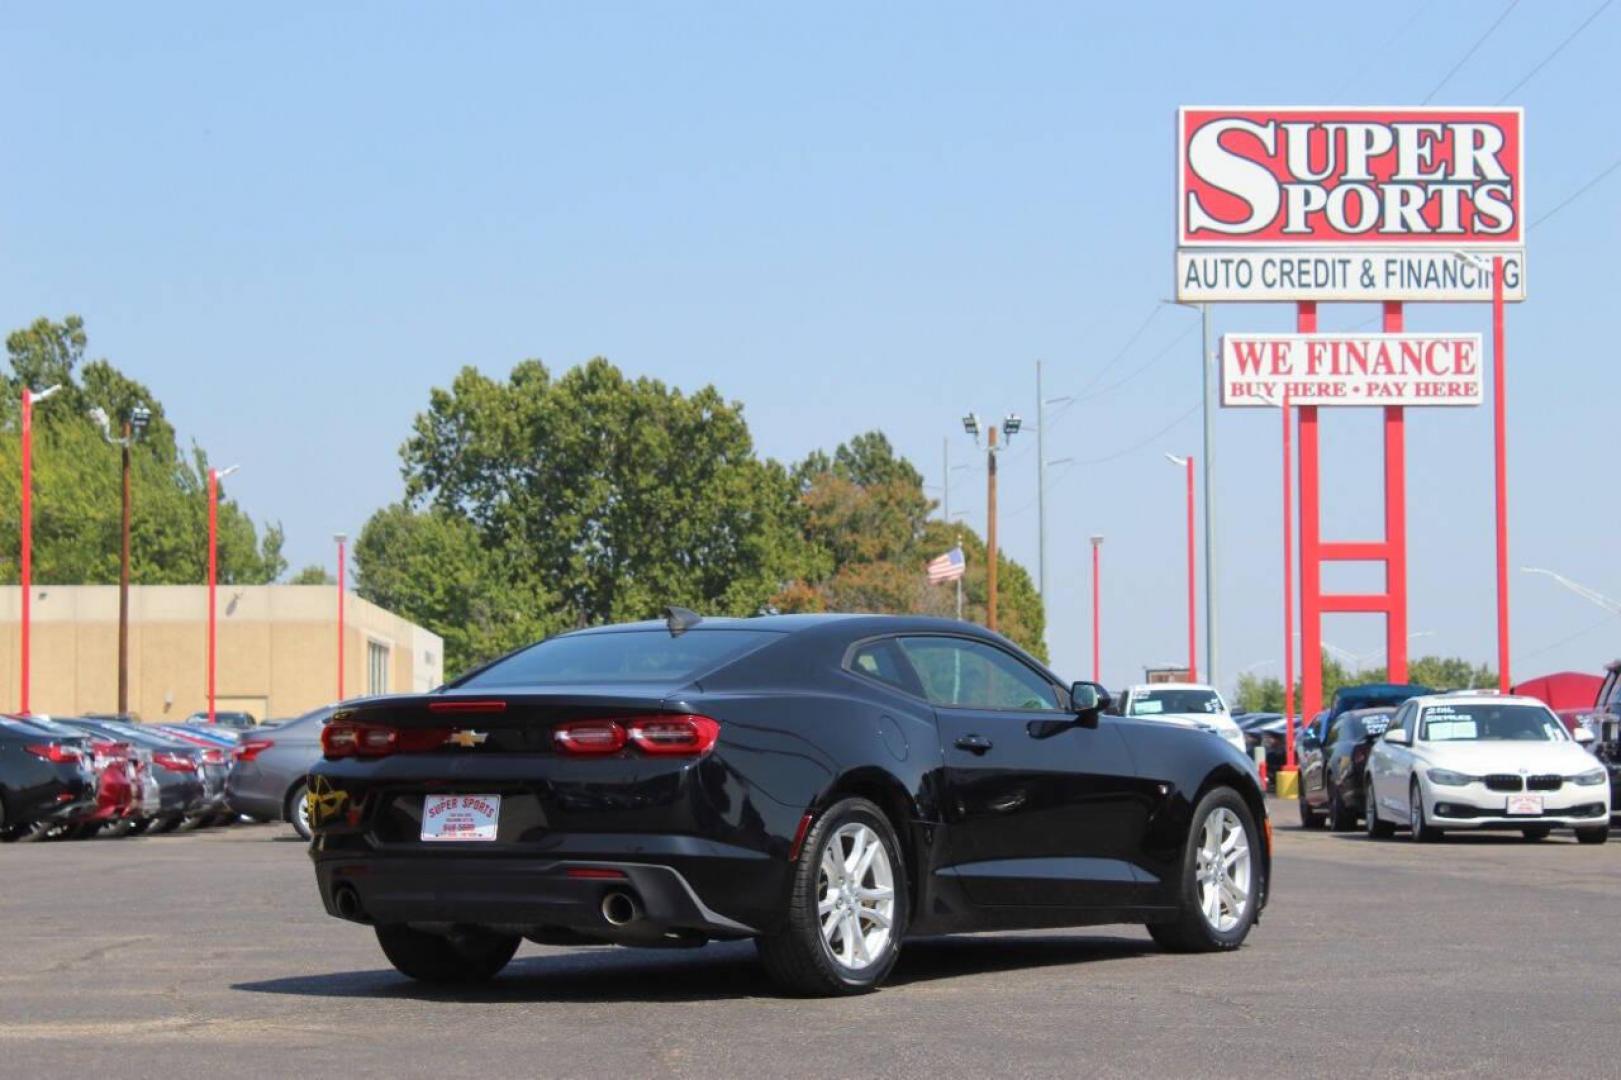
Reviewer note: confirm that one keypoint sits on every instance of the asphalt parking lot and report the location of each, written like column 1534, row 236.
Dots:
column 183, row 955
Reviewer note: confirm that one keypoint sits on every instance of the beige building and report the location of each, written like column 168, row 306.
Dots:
column 277, row 649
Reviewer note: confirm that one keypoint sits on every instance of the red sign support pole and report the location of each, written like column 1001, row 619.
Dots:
column 1395, row 524
column 213, row 579
column 1500, row 448
column 1392, row 550
column 26, row 564
column 1288, row 590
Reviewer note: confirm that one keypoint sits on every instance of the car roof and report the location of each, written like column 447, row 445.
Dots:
column 1479, row 699
column 789, row 624
column 1173, row 686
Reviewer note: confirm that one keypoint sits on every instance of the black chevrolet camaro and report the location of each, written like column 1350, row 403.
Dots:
column 827, row 785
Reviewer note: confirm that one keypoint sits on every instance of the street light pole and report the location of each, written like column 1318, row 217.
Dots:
column 214, row 477
column 26, row 561
column 990, row 531
column 1210, row 384
column 1193, row 650
column 1010, row 427
column 343, row 540
column 1097, row 647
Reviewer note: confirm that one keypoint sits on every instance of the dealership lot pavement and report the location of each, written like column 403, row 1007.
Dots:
column 180, row 955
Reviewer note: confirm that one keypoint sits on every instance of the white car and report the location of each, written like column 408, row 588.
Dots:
column 1479, row 761
column 1192, row 704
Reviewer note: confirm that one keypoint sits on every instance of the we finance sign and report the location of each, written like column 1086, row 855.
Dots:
column 1349, row 204
column 1351, row 369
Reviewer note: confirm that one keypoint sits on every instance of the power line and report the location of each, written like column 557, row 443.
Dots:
column 1578, row 193
column 1481, row 40
column 1556, row 51
column 1144, row 366
column 1418, row 11
column 1124, row 349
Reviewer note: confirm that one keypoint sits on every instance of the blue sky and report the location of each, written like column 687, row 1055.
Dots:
column 293, row 221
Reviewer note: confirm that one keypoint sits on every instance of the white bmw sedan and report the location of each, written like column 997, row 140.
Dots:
column 1193, row 704
column 1454, row 761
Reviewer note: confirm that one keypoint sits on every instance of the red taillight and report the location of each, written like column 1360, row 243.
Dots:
column 214, row 757
column 596, row 873
column 674, row 735
column 167, row 759
column 343, row 738
column 251, row 749
column 457, row 706
column 55, row 753
column 590, row 737
column 660, row 736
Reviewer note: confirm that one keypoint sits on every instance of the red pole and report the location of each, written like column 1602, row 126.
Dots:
column 341, row 541
column 1311, row 616
column 1500, row 437
column 27, row 562
column 213, row 577
column 1193, row 657
column 1288, row 592
column 1395, row 524
column 1097, row 650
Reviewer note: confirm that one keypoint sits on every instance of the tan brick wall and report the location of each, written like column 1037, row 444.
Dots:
column 277, row 648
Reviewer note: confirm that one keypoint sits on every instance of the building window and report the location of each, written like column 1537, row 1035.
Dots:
column 376, row 667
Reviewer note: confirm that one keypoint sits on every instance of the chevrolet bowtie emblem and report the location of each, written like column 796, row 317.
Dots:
column 466, row 739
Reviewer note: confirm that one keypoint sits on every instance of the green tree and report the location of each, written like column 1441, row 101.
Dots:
column 584, row 499
column 866, row 518
column 312, row 574
column 1255, row 694
column 78, row 478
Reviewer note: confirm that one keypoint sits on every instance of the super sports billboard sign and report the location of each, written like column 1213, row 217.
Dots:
column 1350, row 178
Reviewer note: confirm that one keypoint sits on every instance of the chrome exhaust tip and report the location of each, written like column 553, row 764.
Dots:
column 620, row 908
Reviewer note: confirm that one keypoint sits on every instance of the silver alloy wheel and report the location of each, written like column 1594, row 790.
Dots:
column 301, row 814
column 1415, row 812
column 856, row 896
column 1222, row 870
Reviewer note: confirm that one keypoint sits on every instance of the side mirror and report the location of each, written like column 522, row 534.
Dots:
column 1583, row 735
column 1088, row 697
column 1399, row 737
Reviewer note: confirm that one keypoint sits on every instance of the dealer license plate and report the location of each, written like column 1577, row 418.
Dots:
column 1524, row 805
column 460, row 817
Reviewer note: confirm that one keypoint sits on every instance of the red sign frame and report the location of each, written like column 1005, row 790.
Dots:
column 1312, row 177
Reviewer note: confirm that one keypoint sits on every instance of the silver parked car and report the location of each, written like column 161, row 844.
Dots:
column 271, row 763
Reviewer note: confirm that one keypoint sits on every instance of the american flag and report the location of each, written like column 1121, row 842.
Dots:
column 948, row 567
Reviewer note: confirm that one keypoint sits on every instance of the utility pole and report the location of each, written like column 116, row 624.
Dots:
column 139, row 416
column 945, row 481
column 1097, row 622
column 990, row 532
column 1041, row 490
column 1010, row 427
column 343, row 543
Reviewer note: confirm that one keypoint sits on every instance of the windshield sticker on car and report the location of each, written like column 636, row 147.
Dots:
column 1443, row 730
column 1147, row 707
column 1377, row 727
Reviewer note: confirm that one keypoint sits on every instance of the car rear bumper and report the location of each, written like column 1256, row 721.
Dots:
column 540, row 894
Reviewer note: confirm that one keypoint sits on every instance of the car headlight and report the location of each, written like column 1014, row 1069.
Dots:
column 1448, row 778
column 1586, row 779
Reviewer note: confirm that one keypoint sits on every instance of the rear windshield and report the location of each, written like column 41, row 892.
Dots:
column 622, row 656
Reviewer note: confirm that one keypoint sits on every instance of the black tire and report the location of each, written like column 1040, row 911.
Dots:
column 163, row 824
column 34, row 832
column 191, row 822
column 1309, row 818
column 1376, row 828
column 293, row 810
column 114, row 830
column 1536, row 832
column 1422, row 833
column 1190, row 931
column 1340, row 818
column 1593, row 834
column 468, row 956
column 795, row 956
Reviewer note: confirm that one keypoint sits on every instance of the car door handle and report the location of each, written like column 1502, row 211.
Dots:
column 976, row 744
